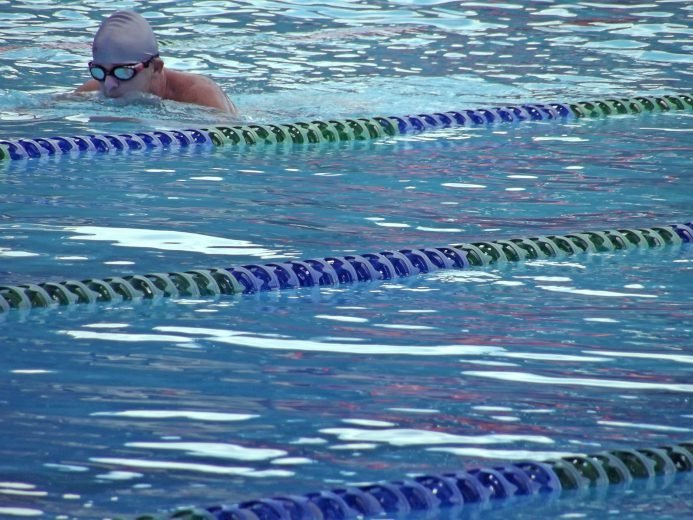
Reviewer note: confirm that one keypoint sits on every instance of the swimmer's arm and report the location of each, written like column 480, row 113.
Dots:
column 89, row 86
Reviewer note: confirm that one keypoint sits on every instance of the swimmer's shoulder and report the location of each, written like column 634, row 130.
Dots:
column 196, row 88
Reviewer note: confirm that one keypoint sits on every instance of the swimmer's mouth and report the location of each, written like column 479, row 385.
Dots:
column 117, row 94
column 113, row 94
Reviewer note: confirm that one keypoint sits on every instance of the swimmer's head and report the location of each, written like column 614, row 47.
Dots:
column 124, row 37
column 125, row 55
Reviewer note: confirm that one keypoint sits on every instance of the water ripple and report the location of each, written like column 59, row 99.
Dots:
column 526, row 377
column 247, row 339
column 212, row 449
column 415, row 437
column 178, row 414
column 169, row 240
column 187, row 466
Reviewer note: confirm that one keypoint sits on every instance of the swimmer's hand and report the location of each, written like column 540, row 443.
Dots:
column 72, row 95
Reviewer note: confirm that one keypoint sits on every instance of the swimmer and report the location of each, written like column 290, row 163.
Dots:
column 126, row 61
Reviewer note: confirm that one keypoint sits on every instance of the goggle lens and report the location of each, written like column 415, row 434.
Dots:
column 122, row 72
column 98, row 73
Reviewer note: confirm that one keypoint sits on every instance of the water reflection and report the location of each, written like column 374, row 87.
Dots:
column 118, row 409
column 575, row 381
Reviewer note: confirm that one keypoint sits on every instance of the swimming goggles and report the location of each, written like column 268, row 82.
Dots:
column 119, row 72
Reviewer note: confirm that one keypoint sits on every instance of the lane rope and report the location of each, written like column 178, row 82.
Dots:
column 460, row 489
column 335, row 270
column 334, row 130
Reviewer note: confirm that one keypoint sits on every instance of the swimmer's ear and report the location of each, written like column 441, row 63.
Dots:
column 158, row 64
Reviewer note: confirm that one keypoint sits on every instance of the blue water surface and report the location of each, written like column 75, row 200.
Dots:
column 126, row 408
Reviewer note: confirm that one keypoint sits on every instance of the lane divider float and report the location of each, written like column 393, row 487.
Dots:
column 334, row 270
column 333, row 130
column 460, row 489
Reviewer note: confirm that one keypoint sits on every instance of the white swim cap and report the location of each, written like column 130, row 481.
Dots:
column 124, row 37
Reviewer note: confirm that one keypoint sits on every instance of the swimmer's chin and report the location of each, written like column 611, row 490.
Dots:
column 129, row 97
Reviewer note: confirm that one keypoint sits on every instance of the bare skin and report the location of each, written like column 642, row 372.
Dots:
column 166, row 84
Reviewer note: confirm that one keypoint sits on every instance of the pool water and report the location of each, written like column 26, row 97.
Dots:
column 120, row 409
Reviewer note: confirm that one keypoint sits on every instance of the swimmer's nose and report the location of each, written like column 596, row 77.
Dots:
column 110, row 84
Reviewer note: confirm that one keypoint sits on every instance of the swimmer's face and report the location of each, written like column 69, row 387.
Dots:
column 123, row 79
